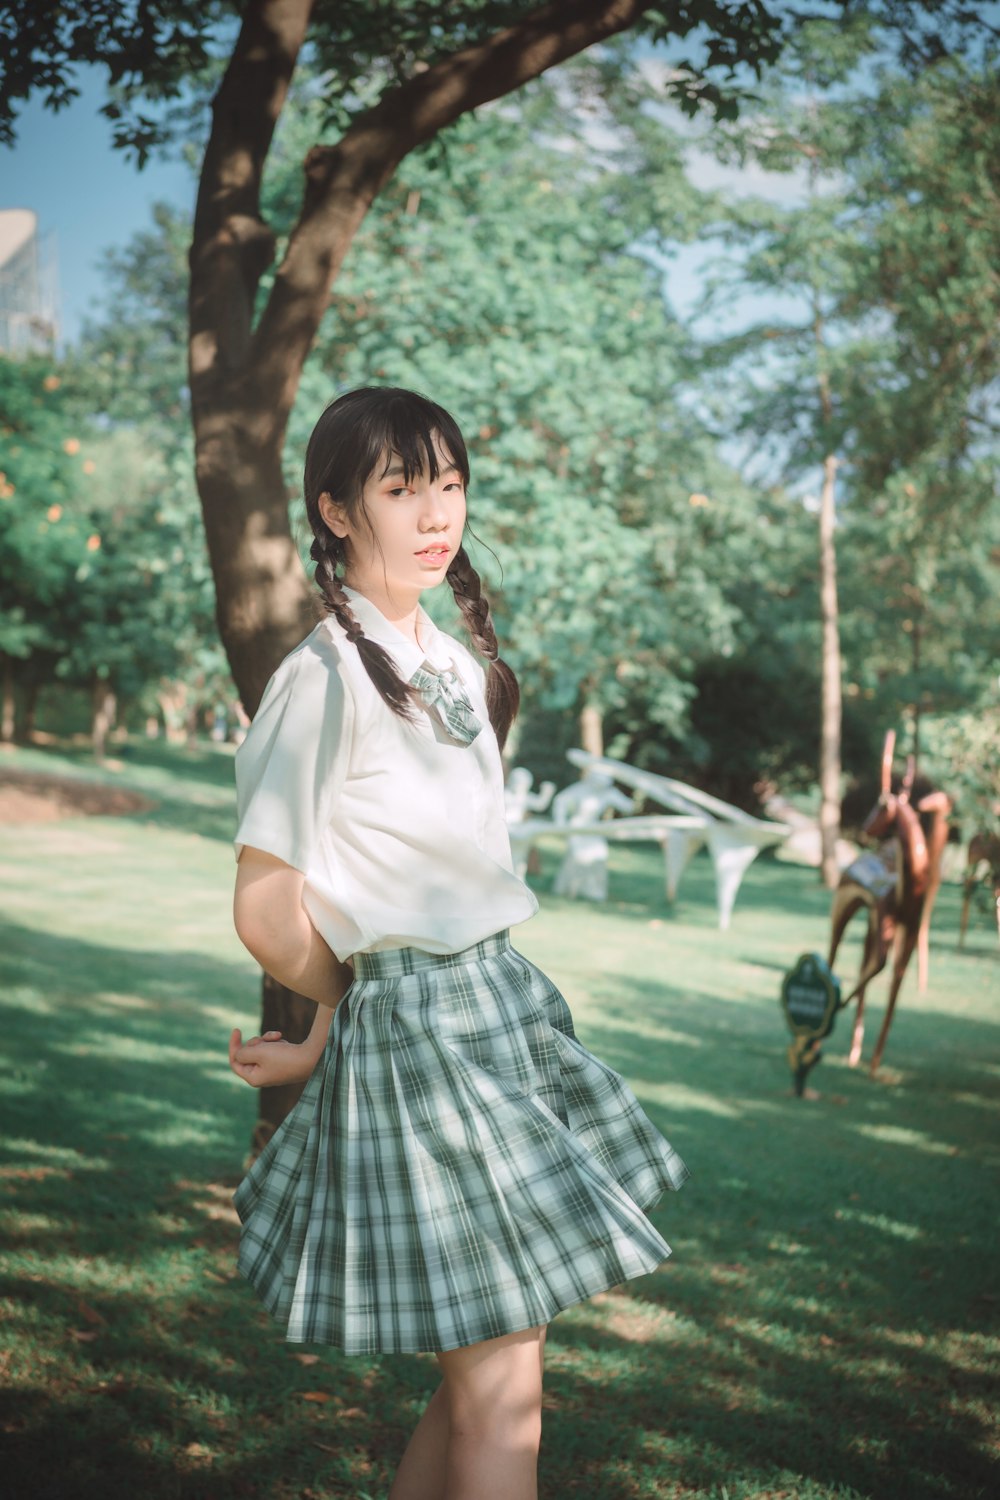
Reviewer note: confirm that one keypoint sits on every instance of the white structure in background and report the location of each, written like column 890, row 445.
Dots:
column 28, row 285
column 584, row 870
column 519, row 799
column 804, row 845
column 734, row 838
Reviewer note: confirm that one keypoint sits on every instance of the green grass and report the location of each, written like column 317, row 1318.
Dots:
column 826, row 1328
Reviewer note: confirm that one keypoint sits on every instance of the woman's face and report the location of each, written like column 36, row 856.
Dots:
column 416, row 528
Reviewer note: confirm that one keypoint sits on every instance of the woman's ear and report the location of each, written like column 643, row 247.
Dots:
column 333, row 514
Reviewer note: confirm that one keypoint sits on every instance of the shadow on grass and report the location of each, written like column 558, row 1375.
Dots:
column 192, row 788
column 821, row 1317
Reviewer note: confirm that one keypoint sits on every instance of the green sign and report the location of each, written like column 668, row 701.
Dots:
column 810, row 998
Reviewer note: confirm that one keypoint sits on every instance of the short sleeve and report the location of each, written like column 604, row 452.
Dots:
column 295, row 756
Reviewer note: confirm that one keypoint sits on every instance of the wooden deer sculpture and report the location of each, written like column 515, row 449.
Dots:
column 896, row 884
column 982, row 865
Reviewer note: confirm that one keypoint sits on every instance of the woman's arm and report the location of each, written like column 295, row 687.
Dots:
column 273, row 924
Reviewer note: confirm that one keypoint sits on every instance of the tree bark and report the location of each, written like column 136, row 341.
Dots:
column 831, row 704
column 244, row 378
column 31, row 691
column 103, row 707
column 830, row 718
column 291, row 1014
column 7, row 712
column 915, row 640
column 592, row 726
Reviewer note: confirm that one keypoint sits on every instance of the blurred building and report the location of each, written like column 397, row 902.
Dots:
column 29, row 292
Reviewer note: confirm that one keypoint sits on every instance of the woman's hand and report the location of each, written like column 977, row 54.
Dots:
column 265, row 1061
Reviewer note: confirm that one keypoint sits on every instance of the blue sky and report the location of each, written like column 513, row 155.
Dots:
column 90, row 198
column 84, row 192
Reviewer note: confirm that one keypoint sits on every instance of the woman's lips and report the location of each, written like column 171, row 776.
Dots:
column 435, row 556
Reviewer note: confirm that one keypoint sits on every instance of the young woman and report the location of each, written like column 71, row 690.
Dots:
column 458, row 1168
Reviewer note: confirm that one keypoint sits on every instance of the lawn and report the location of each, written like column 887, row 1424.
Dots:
column 826, row 1326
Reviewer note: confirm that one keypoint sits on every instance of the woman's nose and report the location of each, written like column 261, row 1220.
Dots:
column 436, row 510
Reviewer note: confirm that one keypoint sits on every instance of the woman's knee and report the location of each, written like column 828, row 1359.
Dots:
column 513, row 1422
column 494, row 1390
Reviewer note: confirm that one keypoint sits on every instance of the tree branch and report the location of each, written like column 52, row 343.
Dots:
column 343, row 180
column 231, row 245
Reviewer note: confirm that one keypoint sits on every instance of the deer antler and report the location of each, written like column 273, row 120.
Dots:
column 935, row 802
column 911, row 771
column 887, row 754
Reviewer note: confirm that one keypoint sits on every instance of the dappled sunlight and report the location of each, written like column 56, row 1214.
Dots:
column 67, row 1156
column 633, row 1319
column 783, row 1244
column 883, row 1224
column 979, row 1101
column 650, row 1031
column 683, row 1096
column 110, row 1000
column 900, row 1135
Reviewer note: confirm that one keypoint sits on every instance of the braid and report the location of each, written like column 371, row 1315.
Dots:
column 502, row 692
column 377, row 662
column 324, row 553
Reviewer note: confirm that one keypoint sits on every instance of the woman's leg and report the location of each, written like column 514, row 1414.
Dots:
column 494, row 1396
column 421, row 1471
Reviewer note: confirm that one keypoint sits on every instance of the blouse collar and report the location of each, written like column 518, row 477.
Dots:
column 407, row 653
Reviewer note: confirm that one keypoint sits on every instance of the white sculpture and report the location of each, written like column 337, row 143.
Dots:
column 584, row 870
column 519, row 799
column 734, row 837
column 804, row 845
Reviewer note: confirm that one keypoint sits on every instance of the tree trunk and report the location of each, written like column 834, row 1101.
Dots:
column 172, row 698
column 291, row 1014
column 915, row 641
column 7, row 711
column 264, row 603
column 831, row 712
column 104, row 705
column 830, row 722
column 592, row 726
column 30, row 709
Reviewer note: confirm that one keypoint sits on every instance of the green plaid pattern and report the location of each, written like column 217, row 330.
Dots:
column 458, row 1166
column 443, row 694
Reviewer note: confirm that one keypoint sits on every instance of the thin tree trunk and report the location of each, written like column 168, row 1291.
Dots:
column 916, row 646
column 30, row 709
column 831, row 710
column 291, row 1014
column 7, row 711
column 830, row 725
column 103, row 709
column 592, row 726
column 172, row 699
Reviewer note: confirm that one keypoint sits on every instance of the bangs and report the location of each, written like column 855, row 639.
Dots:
column 401, row 429
column 364, row 432
column 408, row 439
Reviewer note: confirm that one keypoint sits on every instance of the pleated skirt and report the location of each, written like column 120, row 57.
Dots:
column 457, row 1167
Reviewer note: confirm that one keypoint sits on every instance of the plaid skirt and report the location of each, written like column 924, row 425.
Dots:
column 457, row 1167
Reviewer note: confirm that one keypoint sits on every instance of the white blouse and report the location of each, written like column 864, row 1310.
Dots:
column 398, row 828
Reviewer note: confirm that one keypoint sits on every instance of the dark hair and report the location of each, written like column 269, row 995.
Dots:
column 356, row 433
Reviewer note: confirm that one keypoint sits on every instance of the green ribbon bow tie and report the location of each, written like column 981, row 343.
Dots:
column 442, row 692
